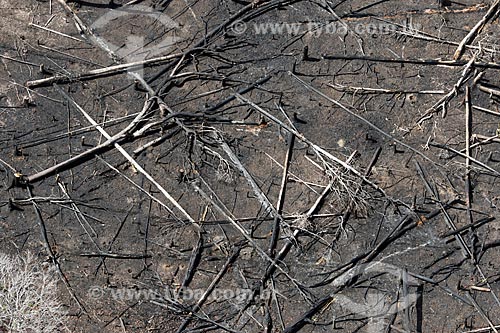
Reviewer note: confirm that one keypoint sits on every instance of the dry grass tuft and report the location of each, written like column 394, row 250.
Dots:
column 28, row 296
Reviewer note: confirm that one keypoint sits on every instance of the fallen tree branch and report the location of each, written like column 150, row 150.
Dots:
column 88, row 154
column 101, row 72
column 115, row 255
column 493, row 11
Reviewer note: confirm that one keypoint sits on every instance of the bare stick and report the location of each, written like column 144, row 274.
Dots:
column 28, row 144
column 255, row 187
column 115, row 255
column 486, row 110
column 136, row 165
column 419, row 34
column 482, row 330
column 425, row 62
column 101, row 72
column 194, row 261
column 482, row 140
column 75, row 160
column 368, row 90
column 474, row 160
column 80, row 217
column 488, row 90
column 476, row 224
column 281, row 197
column 476, row 30
column 56, row 32
column 443, row 102
column 156, row 141
column 84, row 29
column 481, row 312
column 468, row 125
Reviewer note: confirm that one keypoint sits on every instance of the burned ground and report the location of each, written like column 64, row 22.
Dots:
column 259, row 178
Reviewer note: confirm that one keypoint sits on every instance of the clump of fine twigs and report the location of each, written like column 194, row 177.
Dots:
column 348, row 192
column 28, row 296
